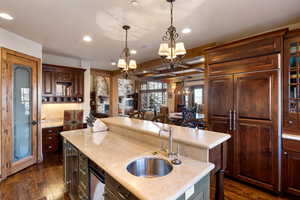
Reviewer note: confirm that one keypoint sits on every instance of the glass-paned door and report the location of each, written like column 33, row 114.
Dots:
column 292, row 82
column 22, row 114
column 21, row 111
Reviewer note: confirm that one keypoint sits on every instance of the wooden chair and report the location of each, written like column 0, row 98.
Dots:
column 162, row 119
column 189, row 118
column 73, row 119
column 137, row 115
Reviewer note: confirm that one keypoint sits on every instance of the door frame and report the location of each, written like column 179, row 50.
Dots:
column 3, row 101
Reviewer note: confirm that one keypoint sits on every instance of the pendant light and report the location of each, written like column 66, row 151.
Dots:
column 125, row 62
column 170, row 50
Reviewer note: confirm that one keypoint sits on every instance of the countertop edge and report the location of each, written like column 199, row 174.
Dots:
column 194, row 144
column 291, row 136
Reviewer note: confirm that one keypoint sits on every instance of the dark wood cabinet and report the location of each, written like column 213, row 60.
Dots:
column 243, row 101
column 256, row 128
column 48, row 82
column 62, row 84
column 291, row 166
column 52, row 141
column 292, row 83
column 220, row 110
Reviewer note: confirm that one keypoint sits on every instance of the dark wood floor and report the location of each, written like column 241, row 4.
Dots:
column 45, row 182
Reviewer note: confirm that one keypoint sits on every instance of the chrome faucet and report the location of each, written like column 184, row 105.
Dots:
column 167, row 129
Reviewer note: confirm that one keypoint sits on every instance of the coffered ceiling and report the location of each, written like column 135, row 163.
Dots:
column 60, row 25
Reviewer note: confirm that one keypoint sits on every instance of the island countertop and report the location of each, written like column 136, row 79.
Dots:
column 200, row 138
column 113, row 152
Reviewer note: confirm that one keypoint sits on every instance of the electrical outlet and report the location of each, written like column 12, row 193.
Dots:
column 189, row 192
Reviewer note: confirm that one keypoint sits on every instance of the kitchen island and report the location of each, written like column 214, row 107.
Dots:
column 113, row 151
column 201, row 145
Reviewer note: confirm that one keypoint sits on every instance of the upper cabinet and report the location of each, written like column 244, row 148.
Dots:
column 251, row 47
column 292, row 82
column 62, row 84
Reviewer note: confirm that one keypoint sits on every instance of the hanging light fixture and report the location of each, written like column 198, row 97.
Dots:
column 125, row 63
column 171, row 51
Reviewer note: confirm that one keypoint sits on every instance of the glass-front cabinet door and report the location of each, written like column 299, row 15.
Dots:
column 292, row 83
column 21, row 113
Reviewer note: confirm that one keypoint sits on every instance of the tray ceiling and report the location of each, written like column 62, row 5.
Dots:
column 60, row 25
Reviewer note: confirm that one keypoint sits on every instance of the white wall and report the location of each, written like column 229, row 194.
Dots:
column 20, row 44
column 61, row 60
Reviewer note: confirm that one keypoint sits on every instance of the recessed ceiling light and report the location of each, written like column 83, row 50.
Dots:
column 87, row 38
column 6, row 16
column 186, row 30
column 134, row 2
column 113, row 63
column 133, row 52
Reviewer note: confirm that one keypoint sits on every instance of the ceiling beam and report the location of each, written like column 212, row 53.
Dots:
column 190, row 53
column 152, row 64
column 197, row 67
column 177, row 76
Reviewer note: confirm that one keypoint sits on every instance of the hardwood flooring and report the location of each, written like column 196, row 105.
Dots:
column 45, row 182
column 40, row 182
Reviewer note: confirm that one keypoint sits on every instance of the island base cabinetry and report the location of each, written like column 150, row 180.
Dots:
column 115, row 191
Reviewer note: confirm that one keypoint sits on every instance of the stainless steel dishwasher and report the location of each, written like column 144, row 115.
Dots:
column 96, row 182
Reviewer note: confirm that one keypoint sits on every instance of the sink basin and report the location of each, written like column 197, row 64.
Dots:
column 150, row 167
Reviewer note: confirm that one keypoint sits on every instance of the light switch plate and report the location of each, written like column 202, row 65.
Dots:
column 189, row 192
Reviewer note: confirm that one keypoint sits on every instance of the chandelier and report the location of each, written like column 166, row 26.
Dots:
column 125, row 63
column 171, row 51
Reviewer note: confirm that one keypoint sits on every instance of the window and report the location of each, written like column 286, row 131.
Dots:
column 198, row 95
column 153, row 94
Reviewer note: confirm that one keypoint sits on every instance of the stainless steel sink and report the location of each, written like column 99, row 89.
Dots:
column 150, row 167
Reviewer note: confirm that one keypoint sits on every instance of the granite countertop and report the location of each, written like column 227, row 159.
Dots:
column 113, row 152
column 52, row 123
column 201, row 138
column 291, row 136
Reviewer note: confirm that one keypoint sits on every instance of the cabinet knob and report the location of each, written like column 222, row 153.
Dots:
column 290, row 122
column 285, row 153
column 50, row 138
column 50, row 147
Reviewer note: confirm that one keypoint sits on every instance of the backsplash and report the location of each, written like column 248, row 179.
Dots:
column 55, row 112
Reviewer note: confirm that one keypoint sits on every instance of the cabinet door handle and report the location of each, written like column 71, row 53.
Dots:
column 234, row 120
column 290, row 122
column 230, row 120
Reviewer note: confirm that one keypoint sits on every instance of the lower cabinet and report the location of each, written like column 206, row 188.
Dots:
column 71, row 174
column 115, row 191
column 83, row 183
column 51, row 139
column 291, row 167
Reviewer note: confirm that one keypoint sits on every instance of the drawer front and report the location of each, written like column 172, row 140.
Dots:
column 290, row 122
column 50, row 148
column 291, row 145
column 246, row 65
column 244, row 49
column 51, row 139
column 52, row 130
